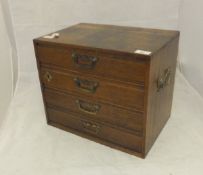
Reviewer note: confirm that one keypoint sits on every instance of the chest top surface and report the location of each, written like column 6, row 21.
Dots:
column 116, row 38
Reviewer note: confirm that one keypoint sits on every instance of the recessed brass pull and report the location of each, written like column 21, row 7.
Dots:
column 87, row 107
column 48, row 76
column 86, row 85
column 94, row 128
column 164, row 80
column 84, row 61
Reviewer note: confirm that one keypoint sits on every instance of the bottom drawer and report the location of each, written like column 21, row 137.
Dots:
column 96, row 129
column 132, row 121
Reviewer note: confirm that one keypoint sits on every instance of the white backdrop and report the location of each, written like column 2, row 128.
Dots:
column 6, row 77
column 6, row 14
column 191, row 50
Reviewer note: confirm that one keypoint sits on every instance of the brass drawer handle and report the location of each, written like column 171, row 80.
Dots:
column 48, row 76
column 84, row 61
column 87, row 107
column 91, row 127
column 86, row 85
column 164, row 80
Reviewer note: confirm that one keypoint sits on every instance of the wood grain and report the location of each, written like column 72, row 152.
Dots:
column 107, row 91
column 132, row 121
column 107, row 65
column 112, row 135
column 109, row 37
column 96, row 86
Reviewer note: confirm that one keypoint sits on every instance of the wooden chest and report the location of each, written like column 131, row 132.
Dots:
column 110, row 84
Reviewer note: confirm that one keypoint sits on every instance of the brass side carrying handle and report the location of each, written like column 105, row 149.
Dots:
column 48, row 76
column 87, row 107
column 164, row 80
column 86, row 85
column 84, row 61
column 91, row 127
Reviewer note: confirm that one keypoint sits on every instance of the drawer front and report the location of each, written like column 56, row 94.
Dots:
column 96, row 110
column 114, row 93
column 96, row 129
column 92, row 62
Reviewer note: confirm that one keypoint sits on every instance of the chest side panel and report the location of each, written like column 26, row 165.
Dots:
column 160, row 91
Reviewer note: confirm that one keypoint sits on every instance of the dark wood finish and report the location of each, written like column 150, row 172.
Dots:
column 114, row 38
column 106, row 90
column 104, row 132
column 159, row 102
column 112, row 64
column 95, row 85
column 98, row 140
column 118, row 117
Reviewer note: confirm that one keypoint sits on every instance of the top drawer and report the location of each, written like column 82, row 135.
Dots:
column 93, row 62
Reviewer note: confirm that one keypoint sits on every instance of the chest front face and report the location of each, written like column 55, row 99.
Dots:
column 100, row 81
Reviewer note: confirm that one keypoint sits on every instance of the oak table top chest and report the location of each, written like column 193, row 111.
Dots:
column 110, row 84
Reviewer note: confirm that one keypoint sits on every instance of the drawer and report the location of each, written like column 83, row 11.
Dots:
column 95, row 110
column 96, row 129
column 91, row 62
column 120, row 94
